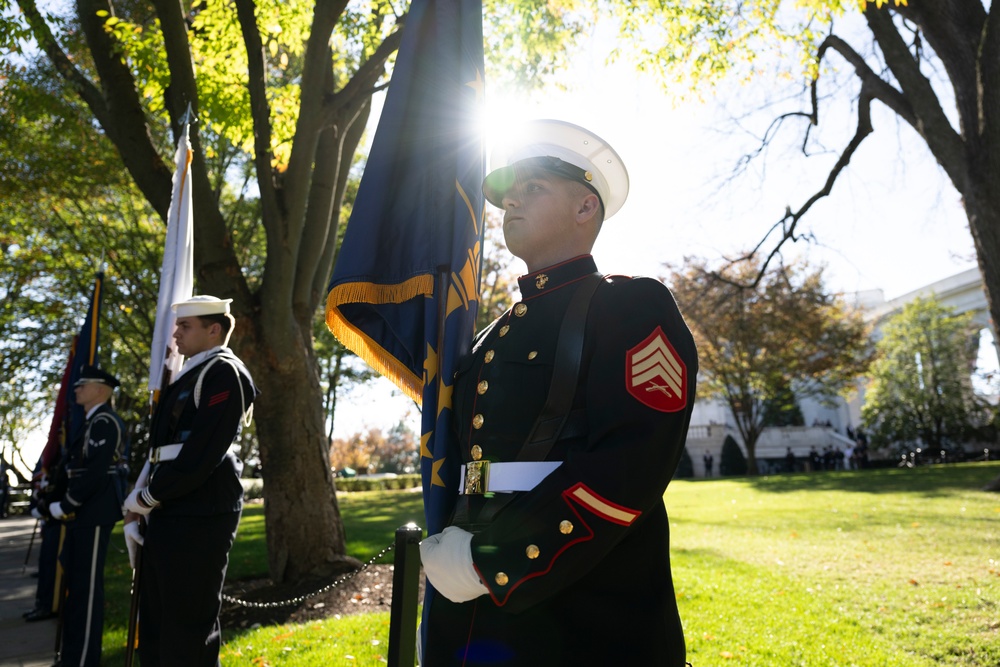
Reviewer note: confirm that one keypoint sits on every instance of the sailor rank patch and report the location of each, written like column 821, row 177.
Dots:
column 218, row 398
column 655, row 374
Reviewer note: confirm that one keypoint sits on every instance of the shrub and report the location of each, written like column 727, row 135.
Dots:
column 733, row 462
column 685, row 468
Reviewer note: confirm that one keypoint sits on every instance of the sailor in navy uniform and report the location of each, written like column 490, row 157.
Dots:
column 558, row 552
column 90, row 508
column 190, row 492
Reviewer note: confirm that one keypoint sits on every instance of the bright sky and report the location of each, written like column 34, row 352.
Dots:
column 893, row 221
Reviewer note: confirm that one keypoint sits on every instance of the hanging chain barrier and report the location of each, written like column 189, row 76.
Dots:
column 302, row 598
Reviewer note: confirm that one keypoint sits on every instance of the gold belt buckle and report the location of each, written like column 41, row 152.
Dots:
column 477, row 476
column 154, row 456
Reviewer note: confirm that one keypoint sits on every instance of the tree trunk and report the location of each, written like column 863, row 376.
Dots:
column 982, row 205
column 305, row 534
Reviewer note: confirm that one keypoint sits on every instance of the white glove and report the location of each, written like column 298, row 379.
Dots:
column 133, row 540
column 56, row 510
column 36, row 513
column 447, row 559
column 133, row 504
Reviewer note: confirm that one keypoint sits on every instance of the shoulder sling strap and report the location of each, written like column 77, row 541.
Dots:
column 562, row 388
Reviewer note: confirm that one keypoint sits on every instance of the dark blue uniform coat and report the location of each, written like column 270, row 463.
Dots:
column 187, row 542
column 578, row 568
column 93, row 503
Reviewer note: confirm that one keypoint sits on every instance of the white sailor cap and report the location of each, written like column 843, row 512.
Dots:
column 202, row 305
column 565, row 149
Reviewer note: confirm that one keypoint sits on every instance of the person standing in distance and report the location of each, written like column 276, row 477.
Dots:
column 558, row 554
column 90, row 508
column 189, row 491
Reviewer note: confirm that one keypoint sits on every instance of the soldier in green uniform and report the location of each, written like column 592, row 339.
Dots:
column 572, row 411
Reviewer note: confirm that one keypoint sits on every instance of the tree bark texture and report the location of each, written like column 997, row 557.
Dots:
column 965, row 36
column 300, row 210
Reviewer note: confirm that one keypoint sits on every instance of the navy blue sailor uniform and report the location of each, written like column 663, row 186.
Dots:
column 577, row 567
column 92, row 503
column 194, row 484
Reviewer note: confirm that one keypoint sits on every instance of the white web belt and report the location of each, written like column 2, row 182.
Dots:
column 481, row 477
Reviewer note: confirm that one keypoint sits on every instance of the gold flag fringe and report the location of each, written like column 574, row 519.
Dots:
column 364, row 346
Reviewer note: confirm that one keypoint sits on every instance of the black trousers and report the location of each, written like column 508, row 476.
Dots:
column 184, row 561
column 82, row 558
column 48, row 557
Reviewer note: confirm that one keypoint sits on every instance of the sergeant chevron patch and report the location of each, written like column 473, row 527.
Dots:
column 657, row 377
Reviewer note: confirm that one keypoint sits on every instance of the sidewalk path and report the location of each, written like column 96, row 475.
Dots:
column 21, row 644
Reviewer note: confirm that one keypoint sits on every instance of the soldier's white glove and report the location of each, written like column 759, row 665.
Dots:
column 56, row 510
column 133, row 540
column 137, row 502
column 447, row 559
column 35, row 512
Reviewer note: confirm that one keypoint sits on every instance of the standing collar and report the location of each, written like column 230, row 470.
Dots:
column 90, row 412
column 197, row 359
column 558, row 275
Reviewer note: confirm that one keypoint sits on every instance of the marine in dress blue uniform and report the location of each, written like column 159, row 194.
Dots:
column 574, row 566
column 90, row 508
column 190, row 492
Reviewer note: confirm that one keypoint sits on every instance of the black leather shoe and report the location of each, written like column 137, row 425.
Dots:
column 39, row 615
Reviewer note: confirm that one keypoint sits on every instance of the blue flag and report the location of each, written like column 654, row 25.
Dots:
column 405, row 285
column 69, row 417
column 85, row 354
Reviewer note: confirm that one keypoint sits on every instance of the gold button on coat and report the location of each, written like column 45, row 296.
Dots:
column 565, row 527
column 489, row 356
column 532, row 552
column 501, row 579
column 532, row 354
column 477, row 452
column 482, row 387
column 520, row 309
column 504, row 329
column 477, row 421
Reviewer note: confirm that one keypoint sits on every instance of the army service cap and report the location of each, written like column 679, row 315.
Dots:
column 91, row 374
column 198, row 306
column 566, row 150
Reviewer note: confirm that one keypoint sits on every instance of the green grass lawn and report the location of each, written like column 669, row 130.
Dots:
column 876, row 568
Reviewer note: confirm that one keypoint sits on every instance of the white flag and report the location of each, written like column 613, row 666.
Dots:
column 177, row 274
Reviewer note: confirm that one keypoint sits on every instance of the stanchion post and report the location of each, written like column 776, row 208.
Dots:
column 405, row 591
